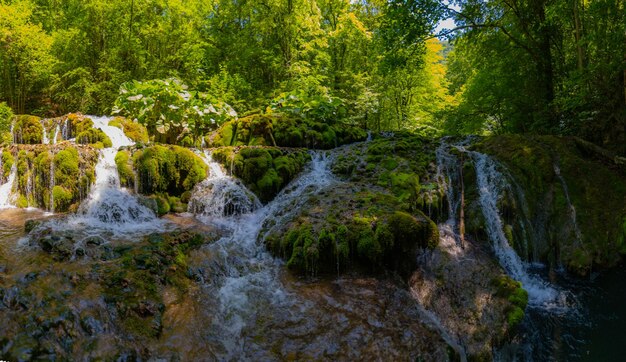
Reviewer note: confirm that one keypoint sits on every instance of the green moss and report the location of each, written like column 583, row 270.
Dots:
column 7, row 163
column 265, row 171
column 66, row 164
column 163, row 206
column 62, row 198
column 172, row 170
column 94, row 136
column 22, row 202
column 125, row 169
column 515, row 295
column 28, row 130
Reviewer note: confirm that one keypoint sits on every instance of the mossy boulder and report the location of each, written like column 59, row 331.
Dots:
column 41, row 167
column 516, row 295
column 264, row 170
column 27, row 130
column 351, row 228
column 125, row 170
column 166, row 169
column 7, row 164
column 95, row 137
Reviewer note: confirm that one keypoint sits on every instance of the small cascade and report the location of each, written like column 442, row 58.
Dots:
column 108, row 206
column 449, row 175
column 570, row 205
column 65, row 130
column 244, row 276
column 52, row 182
column 491, row 184
column 6, row 189
column 44, row 139
column 56, row 134
column 369, row 136
column 221, row 195
column 117, row 136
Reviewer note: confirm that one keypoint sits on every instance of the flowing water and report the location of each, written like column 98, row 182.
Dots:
column 6, row 189
column 220, row 195
column 249, row 308
column 109, row 207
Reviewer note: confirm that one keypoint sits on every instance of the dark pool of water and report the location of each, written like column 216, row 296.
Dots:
column 592, row 329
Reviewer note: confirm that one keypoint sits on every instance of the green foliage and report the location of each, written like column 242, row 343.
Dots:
column 169, row 105
column 314, row 107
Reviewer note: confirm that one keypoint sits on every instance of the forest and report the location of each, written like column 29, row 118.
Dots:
column 507, row 66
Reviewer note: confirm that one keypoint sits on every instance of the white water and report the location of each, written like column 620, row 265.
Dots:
column 56, row 134
column 570, row 205
column 220, row 195
column 6, row 189
column 52, row 182
column 108, row 206
column 44, row 138
column 245, row 274
column 491, row 184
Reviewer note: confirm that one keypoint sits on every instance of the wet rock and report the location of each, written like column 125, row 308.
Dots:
column 31, row 224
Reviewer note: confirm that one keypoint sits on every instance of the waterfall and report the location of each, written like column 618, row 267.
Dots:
column 108, row 206
column 6, row 189
column 65, row 131
column 44, row 139
column 570, row 205
column 244, row 276
column 491, row 183
column 56, row 134
column 221, row 195
column 52, row 182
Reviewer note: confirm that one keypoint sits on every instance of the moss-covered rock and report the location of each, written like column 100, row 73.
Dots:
column 167, row 169
column 94, row 136
column 27, row 130
column 7, row 164
column 264, row 170
column 569, row 193
column 284, row 131
column 41, row 167
column 125, row 170
column 351, row 228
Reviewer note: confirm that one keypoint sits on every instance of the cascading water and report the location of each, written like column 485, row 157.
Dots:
column 65, row 131
column 56, row 134
column 109, row 206
column 221, row 195
column 6, row 189
column 491, row 183
column 52, row 182
column 44, row 139
column 244, row 276
column 570, row 205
